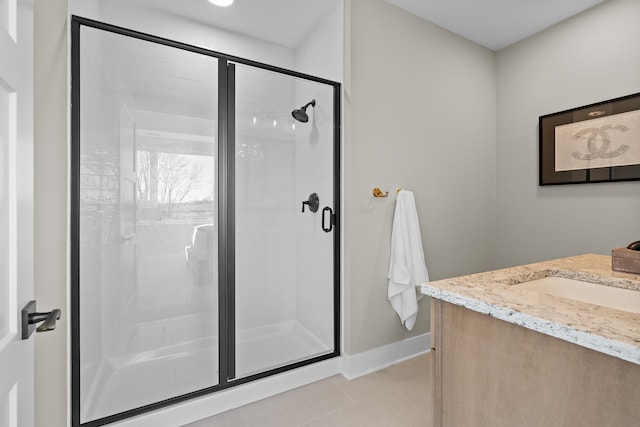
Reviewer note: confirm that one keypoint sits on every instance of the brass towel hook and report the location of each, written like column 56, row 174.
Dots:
column 378, row 193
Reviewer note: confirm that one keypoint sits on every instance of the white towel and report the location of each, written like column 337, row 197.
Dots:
column 407, row 268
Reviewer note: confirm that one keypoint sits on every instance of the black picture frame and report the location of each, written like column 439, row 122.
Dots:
column 599, row 143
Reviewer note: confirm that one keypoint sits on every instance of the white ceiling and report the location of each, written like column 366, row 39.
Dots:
column 495, row 24
column 284, row 22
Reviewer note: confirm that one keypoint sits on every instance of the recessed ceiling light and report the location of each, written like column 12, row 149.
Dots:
column 221, row 3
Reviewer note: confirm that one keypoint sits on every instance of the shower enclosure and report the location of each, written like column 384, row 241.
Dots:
column 205, row 232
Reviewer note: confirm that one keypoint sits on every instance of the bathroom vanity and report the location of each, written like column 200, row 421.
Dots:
column 509, row 349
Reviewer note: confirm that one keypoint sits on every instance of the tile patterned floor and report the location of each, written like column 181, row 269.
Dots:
column 398, row 396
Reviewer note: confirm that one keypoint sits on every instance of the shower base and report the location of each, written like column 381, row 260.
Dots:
column 159, row 365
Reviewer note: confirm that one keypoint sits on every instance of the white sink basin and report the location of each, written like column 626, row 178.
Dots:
column 607, row 296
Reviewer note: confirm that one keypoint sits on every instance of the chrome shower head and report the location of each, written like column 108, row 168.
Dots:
column 301, row 114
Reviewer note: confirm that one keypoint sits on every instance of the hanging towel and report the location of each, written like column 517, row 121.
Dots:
column 407, row 268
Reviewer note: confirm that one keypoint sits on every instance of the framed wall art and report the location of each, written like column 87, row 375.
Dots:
column 595, row 143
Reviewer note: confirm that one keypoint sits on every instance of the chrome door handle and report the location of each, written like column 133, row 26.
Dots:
column 30, row 318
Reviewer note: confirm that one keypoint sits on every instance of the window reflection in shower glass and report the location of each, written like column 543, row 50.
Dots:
column 284, row 261
column 148, row 235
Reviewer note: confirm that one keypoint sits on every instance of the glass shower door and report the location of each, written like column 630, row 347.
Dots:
column 204, row 244
column 284, row 238
column 147, row 279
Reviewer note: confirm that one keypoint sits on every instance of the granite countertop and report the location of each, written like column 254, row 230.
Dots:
column 607, row 330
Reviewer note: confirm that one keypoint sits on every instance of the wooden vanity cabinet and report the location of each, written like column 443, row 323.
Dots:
column 488, row 372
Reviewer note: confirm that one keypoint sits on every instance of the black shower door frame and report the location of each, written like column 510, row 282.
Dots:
column 226, row 215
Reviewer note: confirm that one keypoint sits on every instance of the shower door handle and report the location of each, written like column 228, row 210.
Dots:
column 331, row 219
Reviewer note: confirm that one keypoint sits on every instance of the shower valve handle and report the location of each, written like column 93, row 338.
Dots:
column 313, row 202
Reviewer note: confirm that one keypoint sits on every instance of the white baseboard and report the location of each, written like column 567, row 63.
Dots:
column 357, row 365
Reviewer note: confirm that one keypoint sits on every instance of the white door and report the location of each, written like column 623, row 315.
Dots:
column 16, row 210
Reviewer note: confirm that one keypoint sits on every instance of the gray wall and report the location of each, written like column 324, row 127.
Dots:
column 589, row 58
column 419, row 115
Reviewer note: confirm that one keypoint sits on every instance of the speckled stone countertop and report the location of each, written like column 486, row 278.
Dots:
column 609, row 331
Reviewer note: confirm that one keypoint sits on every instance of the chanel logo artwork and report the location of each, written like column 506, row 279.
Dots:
column 601, row 142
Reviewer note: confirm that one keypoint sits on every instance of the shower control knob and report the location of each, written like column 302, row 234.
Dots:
column 313, row 202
